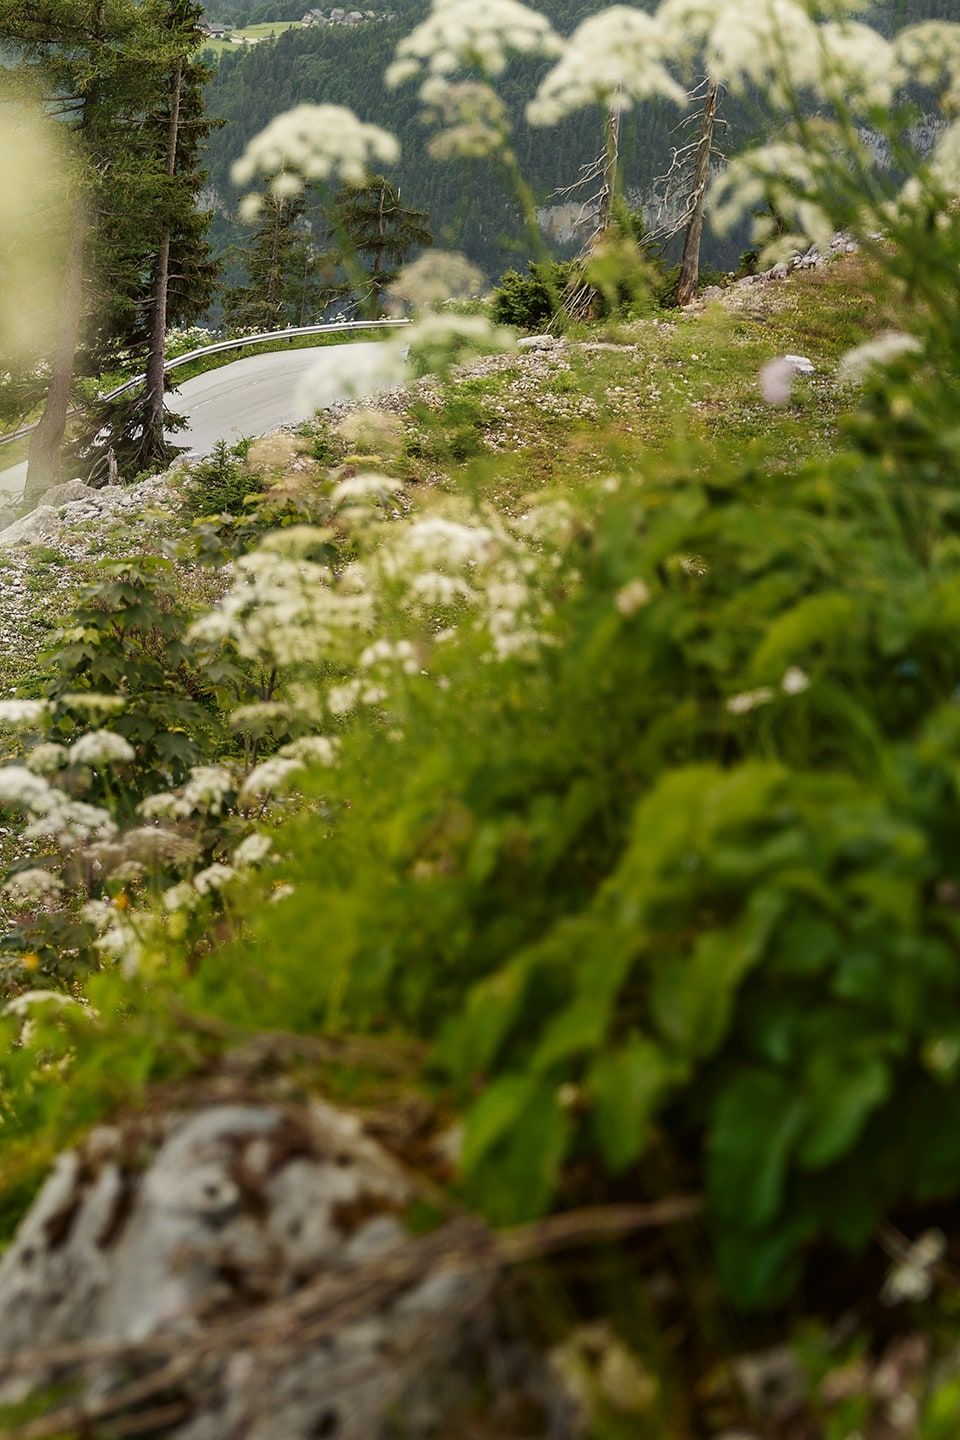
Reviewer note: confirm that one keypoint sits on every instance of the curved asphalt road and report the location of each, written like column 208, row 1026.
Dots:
column 248, row 397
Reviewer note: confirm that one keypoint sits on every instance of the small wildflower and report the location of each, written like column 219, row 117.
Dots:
column 749, row 700
column 632, row 597
column 795, row 681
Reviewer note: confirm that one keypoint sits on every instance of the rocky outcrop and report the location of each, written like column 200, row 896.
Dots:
column 240, row 1271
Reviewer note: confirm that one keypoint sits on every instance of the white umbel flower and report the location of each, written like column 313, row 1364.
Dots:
column 374, row 369
column 929, row 55
column 612, row 59
column 213, row 878
column 856, row 365
column 206, row 791
column 269, row 778
column 436, row 276
column 33, row 889
column 102, row 747
column 439, row 343
column 23, row 714
column 465, row 35
column 252, row 850
column 47, row 758
column 19, row 786
column 366, row 486
column 315, row 749
column 316, row 142
column 778, row 46
column 945, row 161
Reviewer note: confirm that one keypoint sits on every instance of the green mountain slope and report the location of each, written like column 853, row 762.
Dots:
column 471, row 209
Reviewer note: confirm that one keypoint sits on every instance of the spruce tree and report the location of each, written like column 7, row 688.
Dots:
column 107, row 68
column 280, row 270
column 182, row 274
column 373, row 233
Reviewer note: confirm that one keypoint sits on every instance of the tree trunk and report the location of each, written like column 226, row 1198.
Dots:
column 155, row 447
column 610, row 168
column 46, row 442
column 690, row 265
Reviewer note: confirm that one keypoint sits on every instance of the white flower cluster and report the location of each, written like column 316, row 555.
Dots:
column 436, row 276
column 779, row 47
column 47, row 758
column 101, row 747
column 929, row 53
column 268, row 779
column 470, row 118
column 55, row 816
column 465, row 35
column 612, row 59
column 363, row 489
column 945, row 162
column 784, row 173
column 205, row 793
column 315, row 142
column 33, row 889
column 286, row 610
column 858, row 364
column 434, row 345
column 374, row 368
column 119, row 937
column 437, row 343
column 23, row 714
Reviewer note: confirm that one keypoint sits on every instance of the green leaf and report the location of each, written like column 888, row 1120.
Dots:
column 692, row 999
column 498, row 1108
column 626, row 1088
column 516, row 1138
column 843, row 1092
column 756, row 1127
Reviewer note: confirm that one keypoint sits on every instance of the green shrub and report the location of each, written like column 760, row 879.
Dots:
column 221, row 484
column 530, row 301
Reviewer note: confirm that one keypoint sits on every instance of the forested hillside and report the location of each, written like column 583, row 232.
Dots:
column 467, row 201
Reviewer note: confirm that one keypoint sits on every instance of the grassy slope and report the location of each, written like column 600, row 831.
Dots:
column 645, row 386
column 552, row 422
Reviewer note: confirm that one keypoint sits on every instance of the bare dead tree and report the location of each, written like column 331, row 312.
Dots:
column 689, row 175
column 599, row 176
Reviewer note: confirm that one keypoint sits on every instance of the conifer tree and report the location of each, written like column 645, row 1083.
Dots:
column 183, row 275
column 373, row 232
column 106, row 68
column 279, row 268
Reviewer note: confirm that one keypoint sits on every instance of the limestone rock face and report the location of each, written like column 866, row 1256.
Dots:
column 164, row 1234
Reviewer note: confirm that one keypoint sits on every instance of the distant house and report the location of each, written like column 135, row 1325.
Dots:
column 212, row 32
column 339, row 16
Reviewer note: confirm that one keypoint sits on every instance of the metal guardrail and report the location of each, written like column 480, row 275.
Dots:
column 221, row 346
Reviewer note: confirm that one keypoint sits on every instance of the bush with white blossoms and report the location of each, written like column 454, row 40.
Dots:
column 101, row 747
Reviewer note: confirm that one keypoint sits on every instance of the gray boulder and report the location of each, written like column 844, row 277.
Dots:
column 243, row 1273
column 243, row 1270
